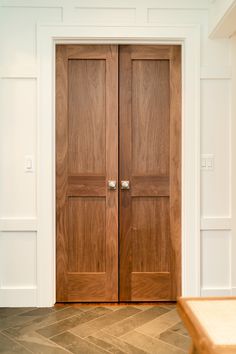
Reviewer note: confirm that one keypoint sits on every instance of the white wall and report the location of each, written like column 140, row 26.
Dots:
column 233, row 158
column 18, row 131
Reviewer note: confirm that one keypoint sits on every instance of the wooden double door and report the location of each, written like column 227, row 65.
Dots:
column 118, row 173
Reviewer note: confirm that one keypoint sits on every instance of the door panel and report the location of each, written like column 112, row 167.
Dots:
column 87, row 230
column 87, row 116
column 87, row 157
column 150, row 99
column 149, row 150
column 150, row 155
column 150, row 234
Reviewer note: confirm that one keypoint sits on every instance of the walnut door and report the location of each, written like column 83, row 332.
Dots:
column 118, row 118
column 150, row 160
column 86, row 158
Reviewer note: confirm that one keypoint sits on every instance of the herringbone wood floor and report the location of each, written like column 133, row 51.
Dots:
column 93, row 329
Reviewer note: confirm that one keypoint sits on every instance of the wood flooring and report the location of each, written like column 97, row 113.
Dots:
column 90, row 329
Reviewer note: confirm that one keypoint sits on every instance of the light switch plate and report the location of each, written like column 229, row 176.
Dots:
column 29, row 163
column 207, row 162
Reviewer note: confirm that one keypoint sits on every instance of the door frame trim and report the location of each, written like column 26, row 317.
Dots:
column 47, row 38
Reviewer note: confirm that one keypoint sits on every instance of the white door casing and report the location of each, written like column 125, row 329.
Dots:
column 47, row 37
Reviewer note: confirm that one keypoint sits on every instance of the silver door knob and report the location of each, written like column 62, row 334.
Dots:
column 125, row 185
column 111, row 184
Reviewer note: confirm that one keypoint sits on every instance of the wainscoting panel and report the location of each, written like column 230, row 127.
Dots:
column 182, row 15
column 108, row 15
column 18, row 224
column 215, row 140
column 20, row 75
column 18, row 268
column 18, row 100
column 17, row 259
column 18, row 25
column 216, row 259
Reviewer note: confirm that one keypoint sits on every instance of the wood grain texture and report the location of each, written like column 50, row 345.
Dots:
column 150, row 186
column 193, row 350
column 150, row 235
column 125, row 155
column 150, row 157
column 87, row 156
column 87, row 230
column 86, row 287
column 87, row 116
column 88, row 51
column 151, row 286
column 150, row 117
column 175, row 168
column 112, row 172
column 86, row 186
column 150, row 52
column 202, row 342
column 61, row 174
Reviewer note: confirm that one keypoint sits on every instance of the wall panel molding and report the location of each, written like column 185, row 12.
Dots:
column 156, row 4
column 152, row 4
column 216, row 73
column 32, row 4
column 19, row 77
column 18, row 224
column 100, row 15
column 216, row 223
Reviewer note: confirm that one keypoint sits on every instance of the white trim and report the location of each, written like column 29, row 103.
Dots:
column 18, row 77
column 18, row 296
column 233, row 165
column 216, row 223
column 18, row 224
column 189, row 38
column 216, row 292
column 216, row 73
column 33, row 4
column 162, row 4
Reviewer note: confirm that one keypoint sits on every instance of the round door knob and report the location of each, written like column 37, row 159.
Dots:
column 125, row 185
column 111, row 184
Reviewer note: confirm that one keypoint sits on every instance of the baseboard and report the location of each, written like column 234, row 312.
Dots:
column 216, row 291
column 18, row 297
column 27, row 297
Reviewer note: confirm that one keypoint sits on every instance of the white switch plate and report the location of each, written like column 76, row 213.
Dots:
column 207, row 162
column 29, row 163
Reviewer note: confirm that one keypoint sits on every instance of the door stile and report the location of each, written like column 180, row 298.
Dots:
column 61, row 172
column 175, row 168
